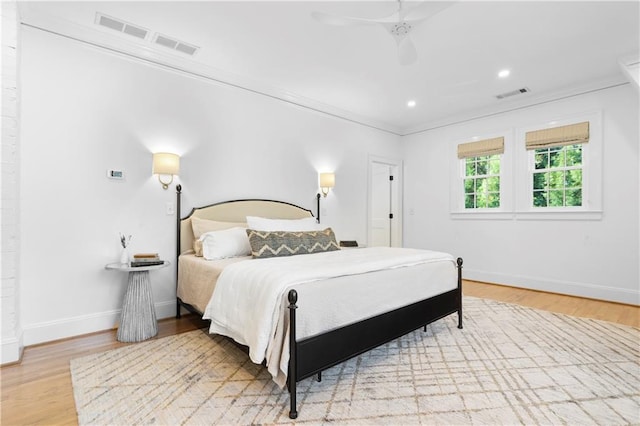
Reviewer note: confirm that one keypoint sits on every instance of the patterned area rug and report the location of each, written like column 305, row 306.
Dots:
column 509, row 365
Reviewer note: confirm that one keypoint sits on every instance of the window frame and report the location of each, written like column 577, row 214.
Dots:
column 548, row 170
column 476, row 176
column 591, row 208
column 458, row 176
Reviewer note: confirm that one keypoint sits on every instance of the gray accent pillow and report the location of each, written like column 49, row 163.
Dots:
column 280, row 243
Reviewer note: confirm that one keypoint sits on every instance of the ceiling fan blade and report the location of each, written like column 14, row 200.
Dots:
column 407, row 53
column 340, row 21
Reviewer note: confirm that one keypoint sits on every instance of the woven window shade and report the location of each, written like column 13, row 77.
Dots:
column 558, row 136
column 481, row 148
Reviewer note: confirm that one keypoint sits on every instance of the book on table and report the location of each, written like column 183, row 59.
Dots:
column 136, row 263
column 146, row 259
column 145, row 256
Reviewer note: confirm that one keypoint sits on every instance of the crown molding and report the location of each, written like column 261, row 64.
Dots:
column 514, row 105
column 143, row 51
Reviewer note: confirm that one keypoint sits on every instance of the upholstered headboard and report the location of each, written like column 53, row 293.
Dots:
column 237, row 211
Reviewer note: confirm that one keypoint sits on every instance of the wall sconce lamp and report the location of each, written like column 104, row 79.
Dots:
column 165, row 163
column 327, row 181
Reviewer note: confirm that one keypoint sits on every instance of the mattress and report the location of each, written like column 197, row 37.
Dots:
column 197, row 278
column 334, row 289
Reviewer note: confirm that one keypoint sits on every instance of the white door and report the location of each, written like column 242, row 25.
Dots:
column 380, row 205
column 384, row 204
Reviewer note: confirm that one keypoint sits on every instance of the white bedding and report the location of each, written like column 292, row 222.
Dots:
column 249, row 302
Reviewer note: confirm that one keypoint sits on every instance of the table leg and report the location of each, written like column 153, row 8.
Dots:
column 138, row 318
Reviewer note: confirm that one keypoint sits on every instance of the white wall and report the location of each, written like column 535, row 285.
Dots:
column 596, row 259
column 85, row 110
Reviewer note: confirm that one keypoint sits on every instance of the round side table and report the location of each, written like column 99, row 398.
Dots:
column 138, row 317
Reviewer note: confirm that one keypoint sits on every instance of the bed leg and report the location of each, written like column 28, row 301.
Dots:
column 459, row 262
column 424, row 329
column 178, row 314
column 292, row 379
column 319, row 378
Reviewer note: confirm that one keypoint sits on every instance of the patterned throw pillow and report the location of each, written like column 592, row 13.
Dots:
column 279, row 243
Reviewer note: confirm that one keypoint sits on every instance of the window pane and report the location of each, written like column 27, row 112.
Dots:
column 573, row 178
column 540, row 180
column 483, row 166
column 539, row 199
column 493, row 199
column 470, row 167
column 556, row 179
column 469, row 201
column 556, row 157
column 494, row 167
column 556, row 198
column 481, row 191
column 574, row 155
column 481, row 200
column 574, row 197
column 542, row 158
column 468, row 186
column 558, row 176
column 493, row 184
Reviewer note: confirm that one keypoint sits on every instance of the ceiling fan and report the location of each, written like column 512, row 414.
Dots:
column 399, row 24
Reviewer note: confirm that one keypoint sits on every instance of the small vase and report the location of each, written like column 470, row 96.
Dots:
column 124, row 257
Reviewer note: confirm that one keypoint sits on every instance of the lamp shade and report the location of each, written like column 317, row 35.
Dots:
column 165, row 163
column 327, row 180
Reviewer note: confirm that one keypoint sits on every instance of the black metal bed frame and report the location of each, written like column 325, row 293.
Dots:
column 312, row 355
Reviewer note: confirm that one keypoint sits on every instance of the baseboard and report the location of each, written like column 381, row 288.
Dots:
column 12, row 350
column 84, row 324
column 591, row 291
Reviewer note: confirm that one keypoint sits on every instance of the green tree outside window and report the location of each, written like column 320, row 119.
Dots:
column 557, row 177
column 482, row 182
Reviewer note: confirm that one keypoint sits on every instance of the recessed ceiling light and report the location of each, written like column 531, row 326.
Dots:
column 411, row 103
column 504, row 73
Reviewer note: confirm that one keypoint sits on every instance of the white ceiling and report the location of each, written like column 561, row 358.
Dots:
column 277, row 48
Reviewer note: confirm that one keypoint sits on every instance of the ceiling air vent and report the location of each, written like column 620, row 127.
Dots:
column 513, row 93
column 175, row 44
column 121, row 26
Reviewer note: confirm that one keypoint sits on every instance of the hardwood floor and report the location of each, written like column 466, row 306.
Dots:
column 559, row 303
column 38, row 390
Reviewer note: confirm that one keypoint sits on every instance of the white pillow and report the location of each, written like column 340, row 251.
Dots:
column 231, row 242
column 200, row 226
column 288, row 225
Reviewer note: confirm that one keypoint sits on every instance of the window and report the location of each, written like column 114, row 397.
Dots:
column 557, row 177
column 546, row 171
column 480, row 185
column 557, row 157
column 482, row 182
column 559, row 169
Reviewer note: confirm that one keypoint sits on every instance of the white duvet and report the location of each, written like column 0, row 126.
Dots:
column 249, row 300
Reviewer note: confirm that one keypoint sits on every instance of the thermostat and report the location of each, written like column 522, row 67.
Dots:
column 115, row 174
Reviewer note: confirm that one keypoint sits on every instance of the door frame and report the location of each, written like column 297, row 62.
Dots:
column 396, row 197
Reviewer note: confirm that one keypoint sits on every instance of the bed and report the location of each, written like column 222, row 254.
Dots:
column 326, row 307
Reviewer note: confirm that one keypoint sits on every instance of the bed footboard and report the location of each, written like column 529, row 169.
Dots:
column 312, row 355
